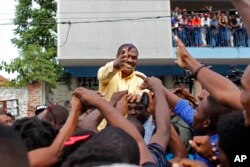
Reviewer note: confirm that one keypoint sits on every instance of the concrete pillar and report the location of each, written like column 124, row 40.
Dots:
column 74, row 83
column 168, row 82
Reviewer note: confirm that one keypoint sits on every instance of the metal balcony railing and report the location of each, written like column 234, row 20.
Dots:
column 212, row 36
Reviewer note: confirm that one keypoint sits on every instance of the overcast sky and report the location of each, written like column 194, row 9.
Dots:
column 7, row 49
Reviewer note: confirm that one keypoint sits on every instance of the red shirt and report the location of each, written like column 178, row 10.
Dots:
column 196, row 22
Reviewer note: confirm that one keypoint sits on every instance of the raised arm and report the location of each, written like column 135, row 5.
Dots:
column 171, row 97
column 48, row 156
column 115, row 118
column 107, row 72
column 221, row 88
column 162, row 112
column 90, row 120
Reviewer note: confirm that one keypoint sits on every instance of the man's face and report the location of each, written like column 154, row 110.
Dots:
column 200, row 114
column 5, row 120
column 138, row 110
column 131, row 62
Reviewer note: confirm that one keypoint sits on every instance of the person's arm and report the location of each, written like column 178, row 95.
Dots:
column 107, row 72
column 171, row 97
column 185, row 111
column 202, row 146
column 243, row 7
column 90, row 120
column 117, row 96
column 48, row 156
column 162, row 118
column 116, row 119
column 220, row 87
column 180, row 107
column 162, row 112
column 176, row 146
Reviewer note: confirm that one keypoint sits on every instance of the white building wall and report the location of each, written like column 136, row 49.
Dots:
column 99, row 27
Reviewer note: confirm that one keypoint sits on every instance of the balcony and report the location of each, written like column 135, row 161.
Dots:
column 211, row 36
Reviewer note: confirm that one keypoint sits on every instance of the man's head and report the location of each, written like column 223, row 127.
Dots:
column 12, row 150
column 139, row 111
column 234, row 139
column 111, row 145
column 208, row 112
column 78, row 138
column 55, row 114
column 131, row 59
column 35, row 133
column 6, row 119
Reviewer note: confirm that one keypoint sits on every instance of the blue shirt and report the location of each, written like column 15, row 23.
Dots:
column 149, row 127
column 186, row 112
column 213, row 139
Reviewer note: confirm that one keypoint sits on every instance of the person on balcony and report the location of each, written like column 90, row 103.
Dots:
column 213, row 32
column 196, row 23
column 205, row 24
column 223, row 30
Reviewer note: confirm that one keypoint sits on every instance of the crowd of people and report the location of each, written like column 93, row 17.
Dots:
column 209, row 28
column 147, row 124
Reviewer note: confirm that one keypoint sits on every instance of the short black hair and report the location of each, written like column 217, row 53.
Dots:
column 234, row 137
column 111, row 145
column 35, row 133
column 57, row 114
column 119, row 51
column 215, row 110
column 71, row 148
column 12, row 150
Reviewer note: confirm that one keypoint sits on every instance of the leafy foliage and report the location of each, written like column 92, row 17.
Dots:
column 35, row 37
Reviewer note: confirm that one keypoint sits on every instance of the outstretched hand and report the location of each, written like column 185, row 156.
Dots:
column 116, row 96
column 151, row 83
column 202, row 145
column 88, row 97
column 121, row 59
column 184, row 59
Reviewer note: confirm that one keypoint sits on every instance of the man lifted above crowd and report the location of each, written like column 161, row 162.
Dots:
column 119, row 74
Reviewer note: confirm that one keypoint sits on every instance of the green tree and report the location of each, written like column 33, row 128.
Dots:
column 35, row 37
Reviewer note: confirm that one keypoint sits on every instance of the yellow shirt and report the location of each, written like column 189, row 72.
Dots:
column 110, row 81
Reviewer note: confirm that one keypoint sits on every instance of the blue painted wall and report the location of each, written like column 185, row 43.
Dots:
column 164, row 70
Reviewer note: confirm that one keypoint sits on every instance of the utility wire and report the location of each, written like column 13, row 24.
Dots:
column 94, row 21
column 66, row 39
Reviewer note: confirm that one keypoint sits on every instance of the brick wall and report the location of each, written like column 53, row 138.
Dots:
column 34, row 96
column 28, row 97
column 16, row 93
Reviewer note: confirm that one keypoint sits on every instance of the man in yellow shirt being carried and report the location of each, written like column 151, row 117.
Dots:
column 119, row 74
